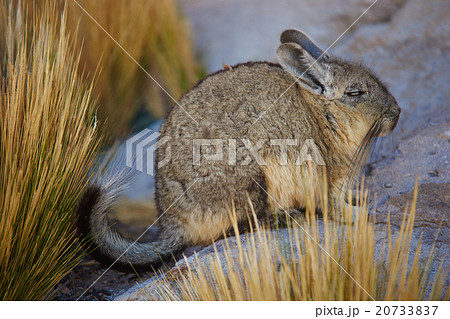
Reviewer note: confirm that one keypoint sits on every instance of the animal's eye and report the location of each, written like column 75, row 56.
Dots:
column 354, row 92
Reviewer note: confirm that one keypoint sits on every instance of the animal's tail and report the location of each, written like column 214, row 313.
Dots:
column 107, row 245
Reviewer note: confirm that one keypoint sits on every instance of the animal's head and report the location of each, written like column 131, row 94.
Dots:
column 353, row 85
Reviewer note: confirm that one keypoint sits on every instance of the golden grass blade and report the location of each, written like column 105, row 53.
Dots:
column 48, row 144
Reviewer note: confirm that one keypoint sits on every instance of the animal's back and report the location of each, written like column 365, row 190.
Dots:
column 229, row 100
column 194, row 187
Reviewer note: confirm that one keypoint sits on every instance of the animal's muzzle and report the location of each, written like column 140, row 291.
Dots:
column 393, row 115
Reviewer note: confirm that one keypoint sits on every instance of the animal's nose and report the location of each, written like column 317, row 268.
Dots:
column 395, row 111
column 398, row 110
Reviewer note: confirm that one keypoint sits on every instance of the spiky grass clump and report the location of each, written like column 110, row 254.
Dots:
column 48, row 142
column 307, row 266
column 155, row 34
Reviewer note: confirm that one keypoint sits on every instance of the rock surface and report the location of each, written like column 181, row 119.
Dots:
column 406, row 42
column 237, row 31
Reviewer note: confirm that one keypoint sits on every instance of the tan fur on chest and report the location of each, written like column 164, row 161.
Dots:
column 289, row 185
column 352, row 129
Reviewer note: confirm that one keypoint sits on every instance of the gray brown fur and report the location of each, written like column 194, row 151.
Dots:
column 194, row 200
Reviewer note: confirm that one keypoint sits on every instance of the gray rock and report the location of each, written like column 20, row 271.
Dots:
column 432, row 218
column 427, row 150
column 236, row 31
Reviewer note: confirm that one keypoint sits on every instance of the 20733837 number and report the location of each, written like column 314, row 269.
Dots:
column 406, row 310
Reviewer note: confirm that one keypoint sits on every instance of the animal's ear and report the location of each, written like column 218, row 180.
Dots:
column 314, row 75
column 295, row 36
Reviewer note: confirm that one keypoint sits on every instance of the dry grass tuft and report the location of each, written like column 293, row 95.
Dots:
column 272, row 267
column 156, row 35
column 48, row 143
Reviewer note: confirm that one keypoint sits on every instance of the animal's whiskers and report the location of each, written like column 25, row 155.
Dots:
column 359, row 156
